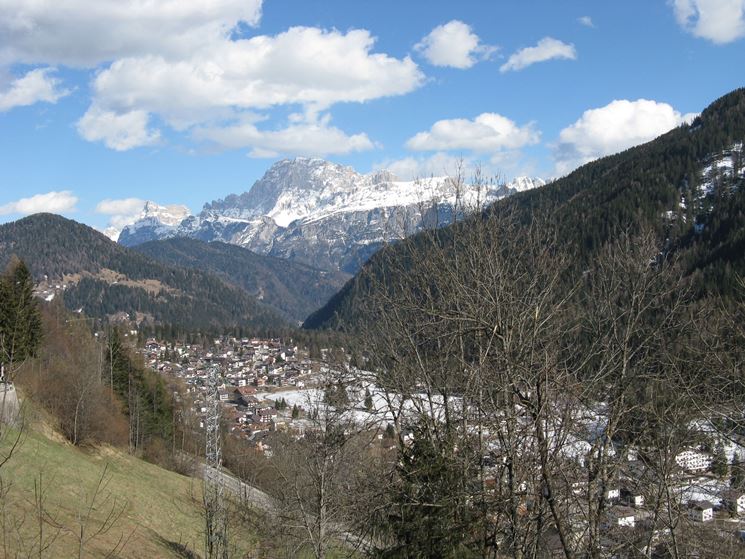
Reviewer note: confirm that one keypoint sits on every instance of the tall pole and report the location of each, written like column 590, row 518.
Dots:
column 216, row 533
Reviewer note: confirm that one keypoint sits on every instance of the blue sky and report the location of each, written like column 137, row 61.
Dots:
column 109, row 103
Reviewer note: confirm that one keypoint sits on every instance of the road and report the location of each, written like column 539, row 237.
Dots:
column 265, row 502
column 9, row 405
column 245, row 492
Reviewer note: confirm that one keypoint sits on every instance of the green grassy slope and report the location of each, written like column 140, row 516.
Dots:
column 161, row 511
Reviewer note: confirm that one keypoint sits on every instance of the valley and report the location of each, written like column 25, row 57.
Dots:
column 391, row 280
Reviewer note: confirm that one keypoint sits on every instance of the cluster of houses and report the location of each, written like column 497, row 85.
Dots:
column 699, row 494
column 249, row 368
column 707, row 500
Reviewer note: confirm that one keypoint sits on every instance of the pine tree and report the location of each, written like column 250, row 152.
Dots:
column 719, row 463
column 20, row 318
column 737, row 481
column 368, row 400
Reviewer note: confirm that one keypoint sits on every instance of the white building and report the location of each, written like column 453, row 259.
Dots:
column 700, row 511
column 620, row 516
column 613, row 494
column 694, row 460
column 736, row 501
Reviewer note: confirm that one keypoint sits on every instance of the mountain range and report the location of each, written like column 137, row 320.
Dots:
column 324, row 214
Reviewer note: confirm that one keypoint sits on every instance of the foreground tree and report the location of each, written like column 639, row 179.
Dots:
column 20, row 320
column 523, row 375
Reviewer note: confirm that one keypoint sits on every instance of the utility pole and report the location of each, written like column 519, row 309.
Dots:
column 216, row 530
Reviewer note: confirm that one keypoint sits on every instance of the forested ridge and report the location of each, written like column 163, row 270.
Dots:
column 658, row 186
column 54, row 247
column 291, row 288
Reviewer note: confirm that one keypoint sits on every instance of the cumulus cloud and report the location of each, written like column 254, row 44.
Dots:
column 121, row 213
column 488, row 132
column 303, row 65
column 84, row 34
column 53, row 202
column 33, row 87
column 123, row 206
column 118, row 131
column 719, row 21
column 453, row 44
column 315, row 138
column 436, row 165
column 547, row 48
column 185, row 65
column 586, row 21
column 618, row 125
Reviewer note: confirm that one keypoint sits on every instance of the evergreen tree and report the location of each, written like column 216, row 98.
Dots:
column 719, row 463
column 295, row 412
column 20, row 318
column 737, row 480
column 432, row 517
column 368, row 400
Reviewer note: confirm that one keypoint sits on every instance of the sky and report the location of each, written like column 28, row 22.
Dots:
column 107, row 103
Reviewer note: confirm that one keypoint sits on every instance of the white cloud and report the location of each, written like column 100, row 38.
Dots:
column 84, row 34
column 488, row 132
column 35, row 86
column 436, row 165
column 54, row 202
column 547, row 48
column 218, row 86
column 619, row 125
column 315, row 138
column 123, row 206
column 453, row 44
column 586, row 21
column 303, row 65
column 185, row 65
column 121, row 213
column 720, row 21
column 118, row 131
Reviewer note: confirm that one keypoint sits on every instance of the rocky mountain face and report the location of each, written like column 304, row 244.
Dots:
column 327, row 215
column 154, row 221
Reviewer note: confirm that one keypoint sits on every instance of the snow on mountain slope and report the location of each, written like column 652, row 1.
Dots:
column 328, row 215
column 153, row 221
column 313, row 189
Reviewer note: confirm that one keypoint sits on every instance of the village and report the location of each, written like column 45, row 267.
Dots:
column 269, row 386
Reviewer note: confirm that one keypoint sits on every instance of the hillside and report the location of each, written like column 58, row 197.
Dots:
column 686, row 186
column 103, row 279
column 157, row 513
column 293, row 289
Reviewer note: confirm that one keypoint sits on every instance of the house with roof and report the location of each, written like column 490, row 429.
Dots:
column 700, row 511
column 620, row 516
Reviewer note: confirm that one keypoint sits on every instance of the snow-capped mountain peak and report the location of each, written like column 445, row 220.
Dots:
column 172, row 214
column 325, row 214
column 152, row 221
